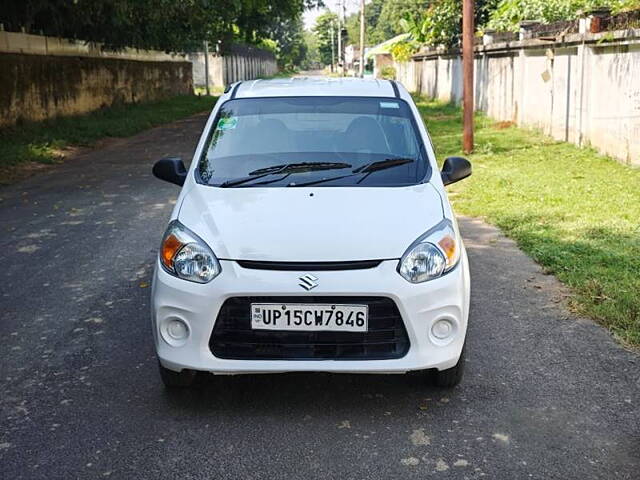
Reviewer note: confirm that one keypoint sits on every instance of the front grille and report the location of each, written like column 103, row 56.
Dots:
column 233, row 338
column 309, row 266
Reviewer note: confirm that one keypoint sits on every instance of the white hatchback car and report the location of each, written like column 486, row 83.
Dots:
column 312, row 233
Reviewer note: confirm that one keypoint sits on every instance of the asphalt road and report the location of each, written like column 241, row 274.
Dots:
column 546, row 395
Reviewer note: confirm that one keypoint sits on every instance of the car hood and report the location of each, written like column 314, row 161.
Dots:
column 306, row 224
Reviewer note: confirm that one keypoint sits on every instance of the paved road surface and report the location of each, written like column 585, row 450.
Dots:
column 546, row 395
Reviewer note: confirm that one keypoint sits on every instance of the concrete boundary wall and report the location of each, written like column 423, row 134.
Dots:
column 582, row 88
column 239, row 63
column 44, row 77
column 11, row 42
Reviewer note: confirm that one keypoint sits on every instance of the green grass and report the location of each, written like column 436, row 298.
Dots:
column 214, row 90
column 42, row 141
column 576, row 212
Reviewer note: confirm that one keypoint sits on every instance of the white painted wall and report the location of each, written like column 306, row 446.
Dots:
column 585, row 90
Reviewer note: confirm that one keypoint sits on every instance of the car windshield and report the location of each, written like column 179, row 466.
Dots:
column 323, row 141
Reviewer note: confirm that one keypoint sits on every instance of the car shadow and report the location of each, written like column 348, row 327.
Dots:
column 293, row 393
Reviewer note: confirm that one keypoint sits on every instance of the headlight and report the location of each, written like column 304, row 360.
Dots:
column 433, row 254
column 185, row 255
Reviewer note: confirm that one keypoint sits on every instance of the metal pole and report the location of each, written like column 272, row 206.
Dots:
column 467, row 74
column 362, row 27
column 333, row 60
column 206, row 67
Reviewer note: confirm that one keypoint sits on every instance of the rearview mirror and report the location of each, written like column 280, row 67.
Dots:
column 455, row 169
column 170, row 169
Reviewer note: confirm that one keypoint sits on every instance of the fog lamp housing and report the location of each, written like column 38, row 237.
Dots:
column 175, row 331
column 443, row 330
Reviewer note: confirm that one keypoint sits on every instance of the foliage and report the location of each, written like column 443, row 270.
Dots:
column 402, row 51
column 428, row 21
column 417, row 28
column 627, row 5
column 383, row 19
column 371, row 15
column 509, row 13
column 268, row 45
column 392, row 13
column 290, row 45
column 443, row 22
column 439, row 24
column 43, row 141
column 352, row 24
column 153, row 24
column 574, row 211
column 388, row 72
column 325, row 24
column 312, row 56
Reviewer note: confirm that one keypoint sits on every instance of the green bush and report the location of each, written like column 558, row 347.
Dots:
column 402, row 51
column 388, row 73
column 509, row 13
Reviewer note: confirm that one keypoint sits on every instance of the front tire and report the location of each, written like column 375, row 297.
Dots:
column 450, row 377
column 175, row 380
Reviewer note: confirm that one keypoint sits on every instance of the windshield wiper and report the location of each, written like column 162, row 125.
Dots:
column 367, row 169
column 382, row 165
column 287, row 169
column 301, row 167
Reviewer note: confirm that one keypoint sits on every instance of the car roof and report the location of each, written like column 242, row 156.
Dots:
column 315, row 87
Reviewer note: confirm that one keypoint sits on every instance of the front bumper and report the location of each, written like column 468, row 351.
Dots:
column 420, row 305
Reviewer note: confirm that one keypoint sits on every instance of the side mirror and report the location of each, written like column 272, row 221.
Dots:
column 170, row 169
column 455, row 169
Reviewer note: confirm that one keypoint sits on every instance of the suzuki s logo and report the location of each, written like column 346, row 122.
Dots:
column 308, row 282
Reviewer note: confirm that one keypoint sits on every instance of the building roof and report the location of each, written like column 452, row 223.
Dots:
column 315, row 86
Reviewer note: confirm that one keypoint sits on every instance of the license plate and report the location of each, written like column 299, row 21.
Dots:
column 337, row 318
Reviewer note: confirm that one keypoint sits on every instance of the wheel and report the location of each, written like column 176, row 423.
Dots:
column 173, row 379
column 450, row 377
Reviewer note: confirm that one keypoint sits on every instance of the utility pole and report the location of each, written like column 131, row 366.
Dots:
column 206, row 67
column 333, row 60
column 362, row 27
column 343, row 25
column 339, row 36
column 467, row 76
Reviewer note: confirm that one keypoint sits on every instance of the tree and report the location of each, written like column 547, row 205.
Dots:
column 171, row 25
column 442, row 22
column 439, row 24
column 508, row 14
column 159, row 24
column 371, row 16
column 322, row 30
column 312, row 57
column 291, row 47
column 388, row 23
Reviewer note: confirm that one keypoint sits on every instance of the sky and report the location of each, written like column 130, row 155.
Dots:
column 333, row 5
